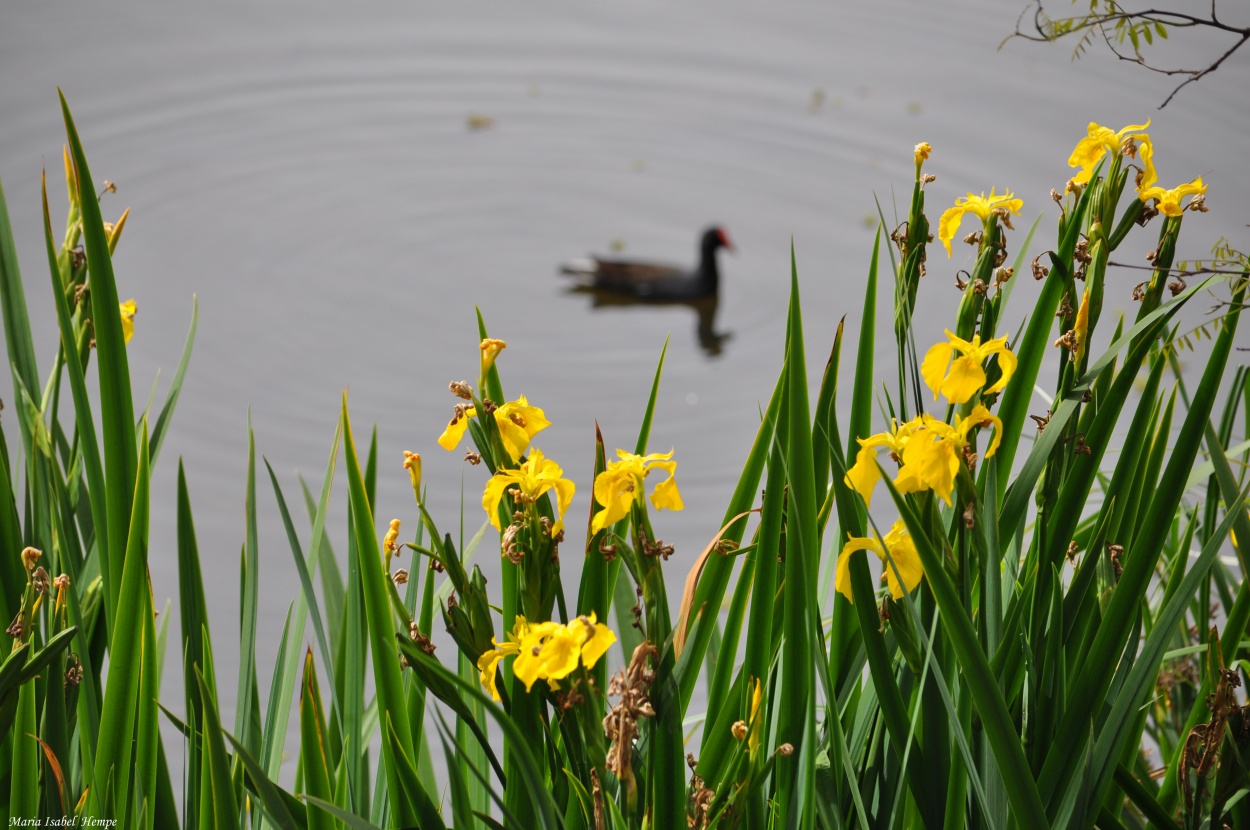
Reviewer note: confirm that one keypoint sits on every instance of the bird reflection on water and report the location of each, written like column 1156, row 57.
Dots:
column 710, row 340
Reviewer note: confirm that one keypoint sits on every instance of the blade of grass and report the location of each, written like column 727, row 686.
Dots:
column 380, row 627
column 175, row 388
column 116, row 404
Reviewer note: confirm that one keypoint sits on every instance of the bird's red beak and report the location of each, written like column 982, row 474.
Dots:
column 725, row 241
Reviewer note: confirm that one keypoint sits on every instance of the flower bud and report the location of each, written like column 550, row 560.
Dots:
column 490, row 351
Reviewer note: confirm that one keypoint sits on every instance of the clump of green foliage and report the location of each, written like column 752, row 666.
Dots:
column 1059, row 641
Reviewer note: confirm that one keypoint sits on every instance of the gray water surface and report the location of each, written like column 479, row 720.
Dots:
column 309, row 172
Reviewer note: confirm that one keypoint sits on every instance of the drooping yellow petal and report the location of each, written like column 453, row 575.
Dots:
column 564, row 497
column 666, row 495
column 842, row 577
column 1006, row 362
column 459, row 422
column 864, row 473
column 598, row 641
column 981, row 417
column 493, row 494
column 128, row 319
column 948, row 225
column 905, row 558
column 936, row 361
column 489, row 662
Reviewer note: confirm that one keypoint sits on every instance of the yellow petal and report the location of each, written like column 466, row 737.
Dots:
column 903, row 557
column 515, row 439
column 561, row 652
column 933, row 461
column 948, row 225
column 1006, row 362
column 597, row 643
column 842, row 578
column 451, row 436
column 492, row 495
column 128, row 319
column 933, row 369
column 965, row 378
column 666, row 496
column 1146, row 151
column 1090, row 149
column 614, row 490
column 864, row 474
column 564, row 498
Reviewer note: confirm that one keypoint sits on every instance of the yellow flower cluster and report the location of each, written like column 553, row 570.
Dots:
column 546, row 651
column 621, row 484
column 1131, row 141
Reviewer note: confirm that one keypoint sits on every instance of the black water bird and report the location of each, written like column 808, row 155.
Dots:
column 620, row 282
column 648, row 281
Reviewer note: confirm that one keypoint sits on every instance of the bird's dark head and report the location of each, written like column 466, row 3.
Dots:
column 714, row 238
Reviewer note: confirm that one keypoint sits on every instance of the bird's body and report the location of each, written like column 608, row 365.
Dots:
column 657, row 281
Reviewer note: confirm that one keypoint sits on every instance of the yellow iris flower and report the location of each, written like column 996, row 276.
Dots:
column 535, row 477
column 1169, row 201
column 1101, row 140
column 518, row 422
column 965, row 375
column 551, row 651
column 902, row 550
column 128, row 319
column 864, row 474
column 621, row 484
column 980, row 206
column 934, row 452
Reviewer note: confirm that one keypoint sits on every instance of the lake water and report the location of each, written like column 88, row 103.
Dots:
column 311, row 174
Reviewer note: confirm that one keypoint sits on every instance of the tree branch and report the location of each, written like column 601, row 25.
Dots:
column 1113, row 20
